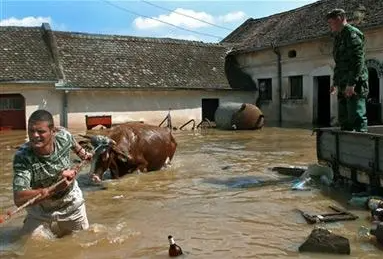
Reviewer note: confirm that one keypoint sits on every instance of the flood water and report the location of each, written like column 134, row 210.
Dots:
column 207, row 200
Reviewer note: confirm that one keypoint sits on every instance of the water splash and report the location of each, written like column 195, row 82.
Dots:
column 100, row 234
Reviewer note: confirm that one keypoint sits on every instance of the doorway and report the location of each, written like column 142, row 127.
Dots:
column 322, row 102
column 373, row 105
column 209, row 106
column 12, row 112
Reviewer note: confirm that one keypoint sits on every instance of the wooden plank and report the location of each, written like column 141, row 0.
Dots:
column 339, row 215
column 290, row 171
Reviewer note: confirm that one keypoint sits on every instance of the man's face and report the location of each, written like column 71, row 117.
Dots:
column 336, row 24
column 40, row 134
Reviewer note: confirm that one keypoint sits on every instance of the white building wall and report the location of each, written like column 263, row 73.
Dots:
column 148, row 106
column 124, row 105
column 313, row 59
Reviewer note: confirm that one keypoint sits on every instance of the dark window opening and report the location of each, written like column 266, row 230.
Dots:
column 265, row 89
column 14, row 103
column 323, row 113
column 12, row 112
column 296, row 87
column 292, row 53
column 373, row 104
column 209, row 107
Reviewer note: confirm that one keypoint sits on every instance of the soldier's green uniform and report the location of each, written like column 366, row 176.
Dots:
column 351, row 70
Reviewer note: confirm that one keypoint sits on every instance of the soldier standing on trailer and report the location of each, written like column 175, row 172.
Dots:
column 350, row 74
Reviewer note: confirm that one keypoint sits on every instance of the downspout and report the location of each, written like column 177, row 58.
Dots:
column 65, row 109
column 279, row 63
column 50, row 40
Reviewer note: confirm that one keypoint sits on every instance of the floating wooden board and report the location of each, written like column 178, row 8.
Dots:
column 338, row 215
column 291, row 171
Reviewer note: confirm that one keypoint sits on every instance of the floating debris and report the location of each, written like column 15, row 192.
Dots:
column 291, row 171
column 301, row 185
column 338, row 215
column 174, row 249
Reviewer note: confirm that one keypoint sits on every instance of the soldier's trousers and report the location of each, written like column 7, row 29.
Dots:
column 352, row 113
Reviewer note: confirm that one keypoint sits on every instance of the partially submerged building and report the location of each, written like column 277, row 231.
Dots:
column 129, row 78
column 289, row 57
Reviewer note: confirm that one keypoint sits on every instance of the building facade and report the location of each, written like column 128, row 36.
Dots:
column 129, row 78
column 289, row 56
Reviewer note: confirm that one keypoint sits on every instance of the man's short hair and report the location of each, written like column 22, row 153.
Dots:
column 41, row 115
column 335, row 13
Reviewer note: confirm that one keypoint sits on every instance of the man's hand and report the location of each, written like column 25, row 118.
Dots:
column 88, row 156
column 95, row 178
column 333, row 89
column 350, row 91
column 45, row 193
column 69, row 175
column 82, row 153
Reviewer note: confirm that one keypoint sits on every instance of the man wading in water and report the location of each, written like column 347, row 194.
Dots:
column 350, row 73
column 40, row 163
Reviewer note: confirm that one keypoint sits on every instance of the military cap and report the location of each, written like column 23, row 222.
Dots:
column 337, row 12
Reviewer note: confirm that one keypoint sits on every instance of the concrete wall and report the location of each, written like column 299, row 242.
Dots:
column 148, row 106
column 312, row 59
column 124, row 105
column 37, row 96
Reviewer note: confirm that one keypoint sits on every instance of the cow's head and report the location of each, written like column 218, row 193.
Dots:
column 106, row 151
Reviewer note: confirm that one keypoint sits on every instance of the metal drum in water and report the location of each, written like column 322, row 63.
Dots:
column 240, row 116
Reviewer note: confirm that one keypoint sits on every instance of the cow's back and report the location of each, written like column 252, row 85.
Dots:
column 152, row 143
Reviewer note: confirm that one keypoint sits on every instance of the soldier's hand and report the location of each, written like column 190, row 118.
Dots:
column 333, row 89
column 350, row 91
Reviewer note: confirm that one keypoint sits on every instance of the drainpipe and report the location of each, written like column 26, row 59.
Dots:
column 278, row 53
column 65, row 110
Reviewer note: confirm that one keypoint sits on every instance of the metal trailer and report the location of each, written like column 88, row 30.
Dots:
column 352, row 155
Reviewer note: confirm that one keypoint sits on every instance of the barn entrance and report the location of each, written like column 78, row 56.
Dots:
column 373, row 105
column 209, row 106
column 12, row 112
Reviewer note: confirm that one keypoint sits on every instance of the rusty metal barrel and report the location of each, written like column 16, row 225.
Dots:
column 238, row 116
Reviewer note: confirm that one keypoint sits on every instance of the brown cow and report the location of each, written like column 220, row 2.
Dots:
column 130, row 147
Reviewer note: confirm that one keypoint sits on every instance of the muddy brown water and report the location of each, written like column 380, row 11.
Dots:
column 207, row 200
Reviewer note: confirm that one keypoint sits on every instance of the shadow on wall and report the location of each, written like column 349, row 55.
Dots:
column 237, row 78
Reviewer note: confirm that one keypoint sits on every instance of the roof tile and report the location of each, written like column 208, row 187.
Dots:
column 302, row 24
column 24, row 55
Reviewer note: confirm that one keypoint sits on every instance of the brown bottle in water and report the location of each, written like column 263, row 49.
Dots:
column 174, row 249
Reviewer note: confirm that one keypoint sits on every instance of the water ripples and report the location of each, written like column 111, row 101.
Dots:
column 218, row 199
